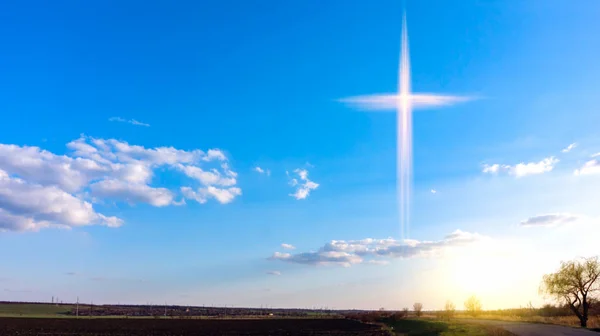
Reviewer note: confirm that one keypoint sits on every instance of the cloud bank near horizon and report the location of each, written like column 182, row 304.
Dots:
column 376, row 251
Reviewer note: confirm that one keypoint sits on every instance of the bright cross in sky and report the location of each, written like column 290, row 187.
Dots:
column 403, row 102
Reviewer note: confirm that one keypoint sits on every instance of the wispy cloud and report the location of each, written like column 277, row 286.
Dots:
column 128, row 121
column 18, row 290
column 277, row 273
column 591, row 167
column 378, row 262
column 433, row 191
column 303, row 185
column 202, row 195
column 554, row 219
column 288, row 246
column 348, row 253
column 522, row 169
column 569, row 148
column 389, row 102
column 262, row 171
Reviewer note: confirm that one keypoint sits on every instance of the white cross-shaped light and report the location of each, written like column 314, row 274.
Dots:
column 403, row 102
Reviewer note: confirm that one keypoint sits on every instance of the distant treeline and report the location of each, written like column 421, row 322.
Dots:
column 184, row 311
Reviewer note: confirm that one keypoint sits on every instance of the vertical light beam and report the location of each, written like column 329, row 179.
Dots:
column 404, row 136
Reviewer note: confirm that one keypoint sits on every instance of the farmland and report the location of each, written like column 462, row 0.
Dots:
column 25, row 309
column 184, row 327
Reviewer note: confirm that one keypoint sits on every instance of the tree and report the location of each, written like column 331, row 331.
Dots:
column 418, row 308
column 450, row 308
column 473, row 305
column 576, row 284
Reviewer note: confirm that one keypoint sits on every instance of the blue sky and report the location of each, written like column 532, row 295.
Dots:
column 259, row 84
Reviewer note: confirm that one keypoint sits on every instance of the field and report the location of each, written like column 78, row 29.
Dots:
column 22, row 309
column 33, row 310
column 571, row 321
column 427, row 327
column 159, row 327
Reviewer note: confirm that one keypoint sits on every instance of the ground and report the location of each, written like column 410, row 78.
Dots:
column 427, row 327
column 185, row 327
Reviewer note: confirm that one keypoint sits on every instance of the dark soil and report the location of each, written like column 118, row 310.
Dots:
column 182, row 327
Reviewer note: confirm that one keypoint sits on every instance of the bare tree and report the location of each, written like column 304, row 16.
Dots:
column 450, row 308
column 418, row 308
column 473, row 306
column 576, row 284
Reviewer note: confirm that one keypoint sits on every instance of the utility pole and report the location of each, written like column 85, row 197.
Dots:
column 77, row 310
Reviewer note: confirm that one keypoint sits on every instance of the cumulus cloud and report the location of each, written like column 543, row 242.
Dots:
column 522, row 169
column 288, row 246
column 129, row 121
column 202, row 195
column 589, row 168
column 569, row 148
column 433, row 191
column 277, row 273
column 40, row 189
column 132, row 192
column 389, row 102
column 207, row 178
column 27, row 206
column 215, row 154
column 554, row 219
column 347, row 253
column 303, row 185
column 39, row 166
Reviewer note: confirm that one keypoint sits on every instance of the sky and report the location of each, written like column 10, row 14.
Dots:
column 204, row 153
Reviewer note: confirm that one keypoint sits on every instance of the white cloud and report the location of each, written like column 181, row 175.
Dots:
column 129, row 121
column 133, row 172
column 40, row 189
column 277, row 273
column 522, row 169
column 207, row 178
column 347, row 253
column 26, row 206
column 215, row 154
column 223, row 196
column 262, row 171
column 569, row 148
column 132, row 192
column 304, row 186
column 433, row 191
column 39, row 166
column 554, row 219
column 378, row 262
column 288, row 246
column 389, row 102
column 589, row 168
